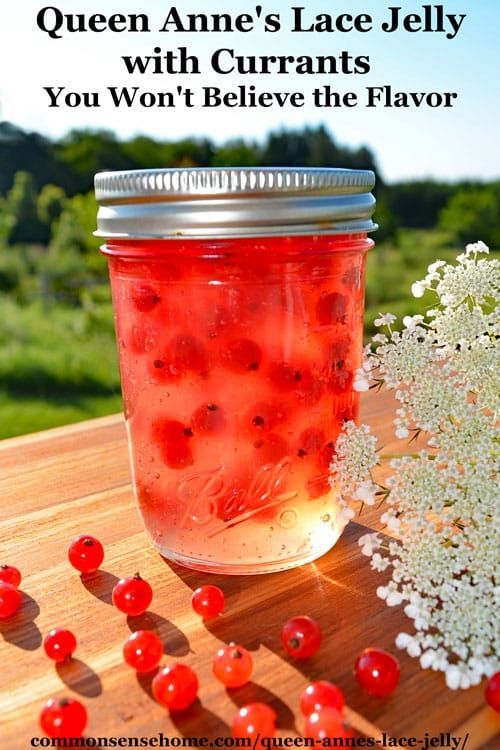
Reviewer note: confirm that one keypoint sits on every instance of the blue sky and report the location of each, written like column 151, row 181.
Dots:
column 456, row 143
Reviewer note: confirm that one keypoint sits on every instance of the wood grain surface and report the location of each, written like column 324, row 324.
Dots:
column 75, row 479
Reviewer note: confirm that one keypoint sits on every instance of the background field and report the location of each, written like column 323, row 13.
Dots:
column 57, row 349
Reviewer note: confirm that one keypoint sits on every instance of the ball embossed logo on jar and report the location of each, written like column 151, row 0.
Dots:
column 212, row 496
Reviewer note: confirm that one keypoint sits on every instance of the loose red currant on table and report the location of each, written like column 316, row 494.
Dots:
column 175, row 687
column 132, row 595
column 64, row 717
column 254, row 721
column 301, row 637
column 377, row 672
column 10, row 600
column 242, row 356
column 208, row 601
column 208, row 419
column 232, row 665
column 321, row 694
column 492, row 691
column 327, row 723
column 143, row 651
column 59, row 644
column 86, row 553
column 10, row 574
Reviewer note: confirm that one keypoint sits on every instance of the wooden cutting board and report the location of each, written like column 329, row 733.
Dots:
column 71, row 480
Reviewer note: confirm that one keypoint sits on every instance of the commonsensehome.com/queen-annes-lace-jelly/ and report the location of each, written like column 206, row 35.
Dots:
column 238, row 297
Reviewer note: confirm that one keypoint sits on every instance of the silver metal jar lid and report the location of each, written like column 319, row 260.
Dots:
column 244, row 202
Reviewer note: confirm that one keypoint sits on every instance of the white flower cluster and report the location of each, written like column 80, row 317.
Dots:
column 441, row 502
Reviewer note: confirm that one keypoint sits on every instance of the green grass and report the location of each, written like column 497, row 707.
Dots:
column 21, row 415
column 58, row 363
column 392, row 269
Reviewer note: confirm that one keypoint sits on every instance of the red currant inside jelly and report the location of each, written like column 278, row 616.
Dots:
column 242, row 356
column 341, row 379
column 284, row 377
column 172, row 438
column 164, row 368
column 208, row 419
column 326, row 455
column 145, row 298
column 264, row 416
column 311, row 441
column 189, row 353
column 271, row 448
column 331, row 308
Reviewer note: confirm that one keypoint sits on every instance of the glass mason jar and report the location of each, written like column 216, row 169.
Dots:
column 238, row 298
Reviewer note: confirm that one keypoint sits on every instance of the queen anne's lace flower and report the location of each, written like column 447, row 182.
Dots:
column 441, row 503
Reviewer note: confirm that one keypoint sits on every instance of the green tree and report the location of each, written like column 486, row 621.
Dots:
column 237, row 153
column 472, row 215
column 21, row 209
column 86, row 152
column 51, row 203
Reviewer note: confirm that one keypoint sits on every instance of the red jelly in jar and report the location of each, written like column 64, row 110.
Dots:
column 238, row 298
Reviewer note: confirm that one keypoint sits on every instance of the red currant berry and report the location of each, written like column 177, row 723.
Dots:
column 340, row 379
column 10, row 600
column 65, row 717
column 327, row 723
column 132, row 595
column 271, row 448
column 326, row 455
column 232, row 665
column 318, row 486
column 10, row 574
column 284, row 377
column 265, row 416
column 172, row 437
column 309, row 389
column 254, row 721
column 377, row 672
column 208, row 601
column 86, row 553
column 331, row 308
column 164, row 369
column 301, row 637
column 145, row 298
column 311, row 441
column 242, row 356
column 321, row 694
column 175, row 687
column 208, row 419
column 143, row 650
column 59, row 644
column 169, row 431
column 492, row 691
column 189, row 353
column 177, row 455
